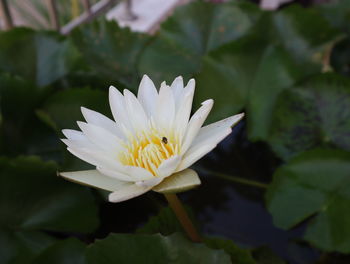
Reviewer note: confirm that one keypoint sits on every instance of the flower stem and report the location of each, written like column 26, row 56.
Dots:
column 182, row 216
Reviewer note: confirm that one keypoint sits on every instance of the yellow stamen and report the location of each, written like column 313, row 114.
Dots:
column 149, row 150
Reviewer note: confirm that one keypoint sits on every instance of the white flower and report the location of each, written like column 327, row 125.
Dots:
column 151, row 144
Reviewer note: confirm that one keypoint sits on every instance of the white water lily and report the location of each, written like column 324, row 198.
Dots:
column 151, row 143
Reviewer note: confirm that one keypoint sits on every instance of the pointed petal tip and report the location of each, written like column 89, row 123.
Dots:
column 238, row 118
column 192, row 81
column 208, row 102
column 146, row 77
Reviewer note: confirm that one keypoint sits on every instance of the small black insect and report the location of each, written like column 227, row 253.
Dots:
column 165, row 140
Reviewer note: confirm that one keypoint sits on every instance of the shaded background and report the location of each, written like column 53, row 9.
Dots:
column 275, row 191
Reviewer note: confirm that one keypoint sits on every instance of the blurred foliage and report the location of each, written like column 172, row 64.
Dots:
column 270, row 64
column 35, row 13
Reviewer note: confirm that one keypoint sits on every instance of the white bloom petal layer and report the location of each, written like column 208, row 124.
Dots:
column 127, row 192
column 95, row 118
column 179, row 182
column 195, row 123
column 94, row 179
column 147, row 95
column 207, row 139
column 150, row 143
column 169, row 166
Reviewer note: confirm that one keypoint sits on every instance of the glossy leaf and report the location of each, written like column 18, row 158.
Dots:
column 238, row 255
column 192, row 31
column 21, row 131
column 314, row 113
column 64, row 107
column 21, row 247
column 282, row 48
column 111, row 51
column 250, row 74
column 315, row 184
column 42, row 57
column 165, row 223
column 152, row 249
column 34, row 198
column 70, row 251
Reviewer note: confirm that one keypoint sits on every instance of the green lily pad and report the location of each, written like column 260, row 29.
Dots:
column 111, row 51
column 21, row 247
column 69, row 251
column 315, row 185
column 138, row 248
column 192, row 31
column 238, row 255
column 42, row 57
column 314, row 113
column 281, row 49
column 64, row 107
column 21, row 131
column 32, row 197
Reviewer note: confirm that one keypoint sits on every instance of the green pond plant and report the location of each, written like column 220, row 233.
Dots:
column 150, row 145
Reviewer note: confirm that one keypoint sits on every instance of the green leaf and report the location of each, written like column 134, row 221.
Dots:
column 337, row 13
column 191, row 32
column 304, row 33
column 32, row 197
column 21, row 131
column 63, row 108
column 165, row 223
column 20, row 247
column 137, row 248
column 315, row 113
column 42, row 57
column 265, row 255
column 111, row 51
column 238, row 255
column 249, row 73
column 70, row 251
column 314, row 184
column 282, row 48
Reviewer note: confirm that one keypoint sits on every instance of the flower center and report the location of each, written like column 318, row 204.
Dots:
column 148, row 151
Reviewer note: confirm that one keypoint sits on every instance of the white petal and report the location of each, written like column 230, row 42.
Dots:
column 118, row 107
column 150, row 183
column 135, row 111
column 192, row 155
column 215, row 132
column 73, row 134
column 96, row 158
column 184, row 111
column 115, row 174
column 94, row 179
column 101, row 137
column 177, row 87
column 127, row 192
column 129, row 173
column 179, row 182
column 168, row 167
column 79, row 144
column 147, row 95
column 138, row 173
column 165, row 108
column 195, row 124
column 100, row 120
